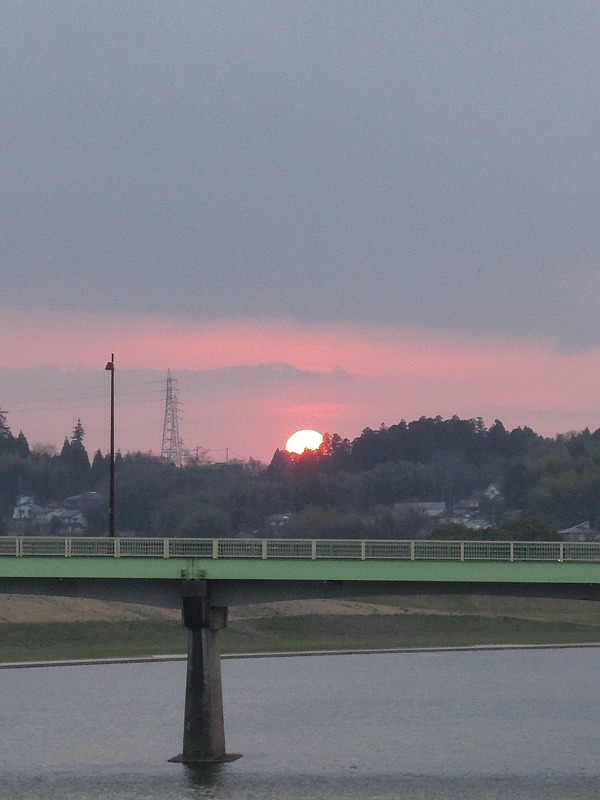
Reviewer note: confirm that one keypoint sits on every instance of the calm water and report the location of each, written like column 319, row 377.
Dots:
column 518, row 724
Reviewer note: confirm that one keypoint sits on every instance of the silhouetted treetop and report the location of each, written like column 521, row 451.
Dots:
column 419, row 440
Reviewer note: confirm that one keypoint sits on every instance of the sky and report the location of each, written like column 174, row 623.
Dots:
column 322, row 215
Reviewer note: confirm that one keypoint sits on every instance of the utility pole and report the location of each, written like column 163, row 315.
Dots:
column 111, row 492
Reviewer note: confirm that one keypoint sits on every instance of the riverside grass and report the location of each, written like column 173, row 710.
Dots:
column 442, row 623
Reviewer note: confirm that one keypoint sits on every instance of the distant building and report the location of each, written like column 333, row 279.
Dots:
column 54, row 518
column 467, row 507
column 427, row 509
column 277, row 521
column 481, row 509
column 85, row 502
column 581, row 533
column 476, row 524
column 69, row 521
column 491, row 492
column 25, row 508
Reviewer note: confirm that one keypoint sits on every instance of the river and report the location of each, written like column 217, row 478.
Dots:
column 471, row 725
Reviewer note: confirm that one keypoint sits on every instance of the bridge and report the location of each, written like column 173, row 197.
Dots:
column 205, row 576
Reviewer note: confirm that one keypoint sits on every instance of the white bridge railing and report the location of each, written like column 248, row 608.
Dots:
column 361, row 549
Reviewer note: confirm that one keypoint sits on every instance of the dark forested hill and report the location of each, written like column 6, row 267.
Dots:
column 345, row 488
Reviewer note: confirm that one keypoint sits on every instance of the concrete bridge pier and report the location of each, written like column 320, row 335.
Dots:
column 203, row 727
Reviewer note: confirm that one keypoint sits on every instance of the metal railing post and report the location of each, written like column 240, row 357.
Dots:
column 363, row 550
column 313, row 549
column 412, row 550
column 215, row 548
column 166, row 548
column 263, row 549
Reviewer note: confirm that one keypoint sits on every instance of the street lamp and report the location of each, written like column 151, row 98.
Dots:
column 111, row 503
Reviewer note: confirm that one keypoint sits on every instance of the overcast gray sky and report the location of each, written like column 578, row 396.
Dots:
column 427, row 163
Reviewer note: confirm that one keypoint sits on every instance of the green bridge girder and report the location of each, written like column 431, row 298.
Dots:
column 250, row 569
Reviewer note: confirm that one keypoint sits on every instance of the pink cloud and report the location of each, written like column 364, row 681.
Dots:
column 351, row 377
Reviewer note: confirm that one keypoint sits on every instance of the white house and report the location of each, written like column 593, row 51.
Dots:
column 26, row 508
column 491, row 492
column 71, row 520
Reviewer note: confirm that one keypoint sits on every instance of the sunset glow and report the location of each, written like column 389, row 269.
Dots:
column 303, row 440
column 245, row 384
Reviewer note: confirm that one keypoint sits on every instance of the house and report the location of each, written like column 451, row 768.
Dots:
column 581, row 533
column 480, row 507
column 85, row 502
column 467, row 507
column 277, row 521
column 476, row 524
column 67, row 521
column 25, row 508
column 491, row 492
column 426, row 509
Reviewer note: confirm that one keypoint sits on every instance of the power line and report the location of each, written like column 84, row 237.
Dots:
column 75, row 398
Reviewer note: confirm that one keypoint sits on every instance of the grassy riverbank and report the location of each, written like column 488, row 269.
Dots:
column 382, row 623
column 371, row 633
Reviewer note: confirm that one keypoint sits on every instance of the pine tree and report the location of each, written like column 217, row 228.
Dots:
column 7, row 440
column 22, row 446
column 75, row 462
column 79, row 454
column 4, row 429
column 99, row 469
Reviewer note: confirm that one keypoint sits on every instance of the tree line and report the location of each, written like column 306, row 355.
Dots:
column 345, row 488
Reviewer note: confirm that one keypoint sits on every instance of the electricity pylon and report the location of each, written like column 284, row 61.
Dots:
column 172, row 446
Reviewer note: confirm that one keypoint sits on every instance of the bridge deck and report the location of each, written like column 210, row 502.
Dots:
column 300, row 559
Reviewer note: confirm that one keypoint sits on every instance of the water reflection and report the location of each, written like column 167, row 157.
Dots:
column 206, row 778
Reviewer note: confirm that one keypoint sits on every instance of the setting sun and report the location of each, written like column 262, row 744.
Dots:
column 303, row 440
